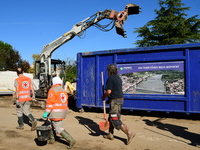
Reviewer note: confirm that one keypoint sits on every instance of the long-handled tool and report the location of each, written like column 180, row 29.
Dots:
column 104, row 125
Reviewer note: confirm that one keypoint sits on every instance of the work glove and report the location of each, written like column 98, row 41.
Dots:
column 45, row 115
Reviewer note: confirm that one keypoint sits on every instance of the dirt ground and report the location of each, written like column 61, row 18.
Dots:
column 154, row 131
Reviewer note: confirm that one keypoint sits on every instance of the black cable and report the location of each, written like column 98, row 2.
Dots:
column 97, row 25
column 103, row 27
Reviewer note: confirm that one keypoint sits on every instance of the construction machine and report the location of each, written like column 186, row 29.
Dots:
column 45, row 67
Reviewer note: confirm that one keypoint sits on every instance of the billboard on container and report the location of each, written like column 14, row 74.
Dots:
column 153, row 78
column 160, row 78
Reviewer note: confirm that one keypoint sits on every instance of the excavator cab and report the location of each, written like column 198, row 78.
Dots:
column 56, row 69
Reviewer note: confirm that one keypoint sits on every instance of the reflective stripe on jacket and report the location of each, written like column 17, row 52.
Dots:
column 57, row 103
column 24, row 88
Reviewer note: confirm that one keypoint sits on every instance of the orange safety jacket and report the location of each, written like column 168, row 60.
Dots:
column 24, row 88
column 57, row 103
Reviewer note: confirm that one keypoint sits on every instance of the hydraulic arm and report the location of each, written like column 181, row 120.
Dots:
column 118, row 19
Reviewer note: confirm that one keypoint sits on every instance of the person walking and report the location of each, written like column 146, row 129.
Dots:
column 24, row 95
column 56, row 110
column 113, row 91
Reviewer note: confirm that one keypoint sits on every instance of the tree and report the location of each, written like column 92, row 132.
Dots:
column 25, row 65
column 170, row 26
column 70, row 70
column 13, row 59
column 10, row 59
column 3, row 48
column 35, row 58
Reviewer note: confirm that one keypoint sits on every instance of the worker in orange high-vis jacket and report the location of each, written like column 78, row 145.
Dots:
column 24, row 95
column 56, row 110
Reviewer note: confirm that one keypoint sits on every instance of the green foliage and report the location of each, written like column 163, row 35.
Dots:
column 35, row 58
column 24, row 65
column 70, row 70
column 170, row 26
column 10, row 59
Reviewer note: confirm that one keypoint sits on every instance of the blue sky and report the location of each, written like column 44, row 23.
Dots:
column 28, row 25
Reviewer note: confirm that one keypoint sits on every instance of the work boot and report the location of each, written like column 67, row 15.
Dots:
column 68, row 138
column 51, row 137
column 110, row 133
column 33, row 122
column 127, row 131
column 21, row 123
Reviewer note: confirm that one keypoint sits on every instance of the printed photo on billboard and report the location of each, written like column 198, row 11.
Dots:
column 153, row 78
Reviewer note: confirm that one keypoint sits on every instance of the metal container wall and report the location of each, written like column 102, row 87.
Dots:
column 183, row 93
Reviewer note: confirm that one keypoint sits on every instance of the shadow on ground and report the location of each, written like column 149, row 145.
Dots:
column 178, row 131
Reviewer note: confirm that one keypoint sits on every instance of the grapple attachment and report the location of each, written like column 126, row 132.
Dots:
column 122, row 16
column 132, row 9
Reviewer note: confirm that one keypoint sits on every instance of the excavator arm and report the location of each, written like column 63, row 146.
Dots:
column 45, row 58
column 119, row 19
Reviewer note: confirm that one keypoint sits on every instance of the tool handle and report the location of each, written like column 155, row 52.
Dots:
column 104, row 101
column 46, row 121
column 102, row 82
column 104, row 110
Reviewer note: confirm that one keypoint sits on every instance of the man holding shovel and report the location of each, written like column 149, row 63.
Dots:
column 115, row 99
column 56, row 110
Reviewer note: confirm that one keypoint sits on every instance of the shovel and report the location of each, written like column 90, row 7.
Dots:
column 104, row 125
